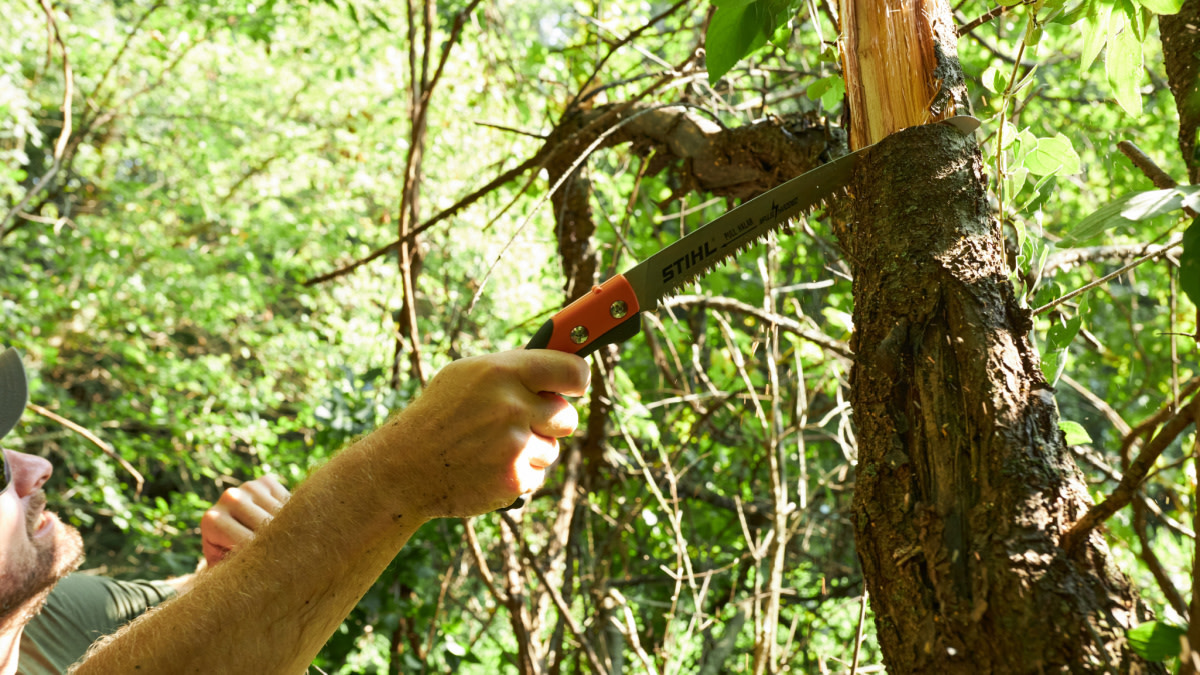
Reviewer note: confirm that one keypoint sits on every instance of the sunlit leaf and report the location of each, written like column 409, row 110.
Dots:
column 1095, row 32
column 1052, row 155
column 1074, row 432
column 1156, row 640
column 1123, row 65
column 1162, row 6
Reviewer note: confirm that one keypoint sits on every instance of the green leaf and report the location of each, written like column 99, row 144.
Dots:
column 1156, row 640
column 1162, row 6
column 1136, row 18
column 1042, row 191
column 1053, row 364
column 1189, row 263
column 738, row 28
column 835, row 93
column 1123, row 65
column 1130, row 208
column 1060, row 335
column 1095, row 32
column 991, row 81
column 1144, row 205
column 1071, row 16
column 1097, row 223
column 1075, row 433
column 1052, row 156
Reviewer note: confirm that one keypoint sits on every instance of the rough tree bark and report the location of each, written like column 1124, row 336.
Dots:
column 964, row 483
column 1181, row 54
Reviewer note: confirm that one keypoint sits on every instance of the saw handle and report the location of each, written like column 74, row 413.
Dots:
column 606, row 315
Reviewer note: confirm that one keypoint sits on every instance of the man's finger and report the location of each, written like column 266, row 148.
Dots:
column 275, row 487
column 540, row 452
column 244, row 508
column 548, row 370
column 554, row 417
column 223, row 530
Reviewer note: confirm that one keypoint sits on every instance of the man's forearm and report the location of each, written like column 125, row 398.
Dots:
column 270, row 608
column 482, row 433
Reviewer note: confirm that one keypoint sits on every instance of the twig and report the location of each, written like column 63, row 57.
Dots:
column 991, row 14
column 584, row 89
column 1116, row 252
column 513, row 130
column 461, row 204
column 95, row 440
column 1102, row 280
column 629, row 629
column 583, row 156
column 1141, row 160
column 563, row 610
column 1133, row 477
column 124, row 47
column 785, row 324
column 1170, row 592
column 858, row 634
column 1161, row 179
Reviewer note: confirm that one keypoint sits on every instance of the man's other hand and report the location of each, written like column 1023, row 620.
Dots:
column 238, row 514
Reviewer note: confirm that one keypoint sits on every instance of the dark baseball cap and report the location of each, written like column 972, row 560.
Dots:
column 14, row 390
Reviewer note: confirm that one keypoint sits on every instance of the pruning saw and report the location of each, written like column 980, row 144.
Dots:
column 609, row 313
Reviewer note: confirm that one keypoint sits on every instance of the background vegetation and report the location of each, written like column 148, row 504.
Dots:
column 173, row 262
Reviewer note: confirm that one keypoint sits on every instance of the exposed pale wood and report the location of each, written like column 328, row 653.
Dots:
column 891, row 65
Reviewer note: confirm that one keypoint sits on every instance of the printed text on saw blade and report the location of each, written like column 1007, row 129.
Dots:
column 732, row 236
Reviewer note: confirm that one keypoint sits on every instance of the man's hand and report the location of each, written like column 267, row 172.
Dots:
column 238, row 514
column 488, row 429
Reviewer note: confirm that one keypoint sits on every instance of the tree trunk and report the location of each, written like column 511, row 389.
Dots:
column 1181, row 54
column 964, row 483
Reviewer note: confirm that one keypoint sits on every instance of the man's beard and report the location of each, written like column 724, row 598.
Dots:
column 25, row 588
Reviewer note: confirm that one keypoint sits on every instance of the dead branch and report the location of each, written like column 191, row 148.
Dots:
column 94, row 440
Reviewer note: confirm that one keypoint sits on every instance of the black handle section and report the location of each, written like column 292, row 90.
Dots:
column 542, row 337
column 519, row 504
column 632, row 325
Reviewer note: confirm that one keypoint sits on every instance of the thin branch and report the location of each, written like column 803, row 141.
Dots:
column 1142, row 161
column 95, row 440
column 133, row 32
column 1155, row 252
column 858, row 634
column 1170, row 592
column 991, row 14
column 60, row 146
column 785, row 324
column 584, row 89
column 448, row 212
column 564, row 611
column 1133, row 477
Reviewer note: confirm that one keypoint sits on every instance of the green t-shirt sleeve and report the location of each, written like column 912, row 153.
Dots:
column 81, row 609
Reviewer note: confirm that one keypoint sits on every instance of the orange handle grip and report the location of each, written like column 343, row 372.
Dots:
column 607, row 314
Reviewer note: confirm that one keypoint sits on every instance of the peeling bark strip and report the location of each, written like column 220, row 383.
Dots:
column 964, row 484
column 1181, row 54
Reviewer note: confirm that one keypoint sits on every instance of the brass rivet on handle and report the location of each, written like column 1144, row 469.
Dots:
column 579, row 335
column 618, row 309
